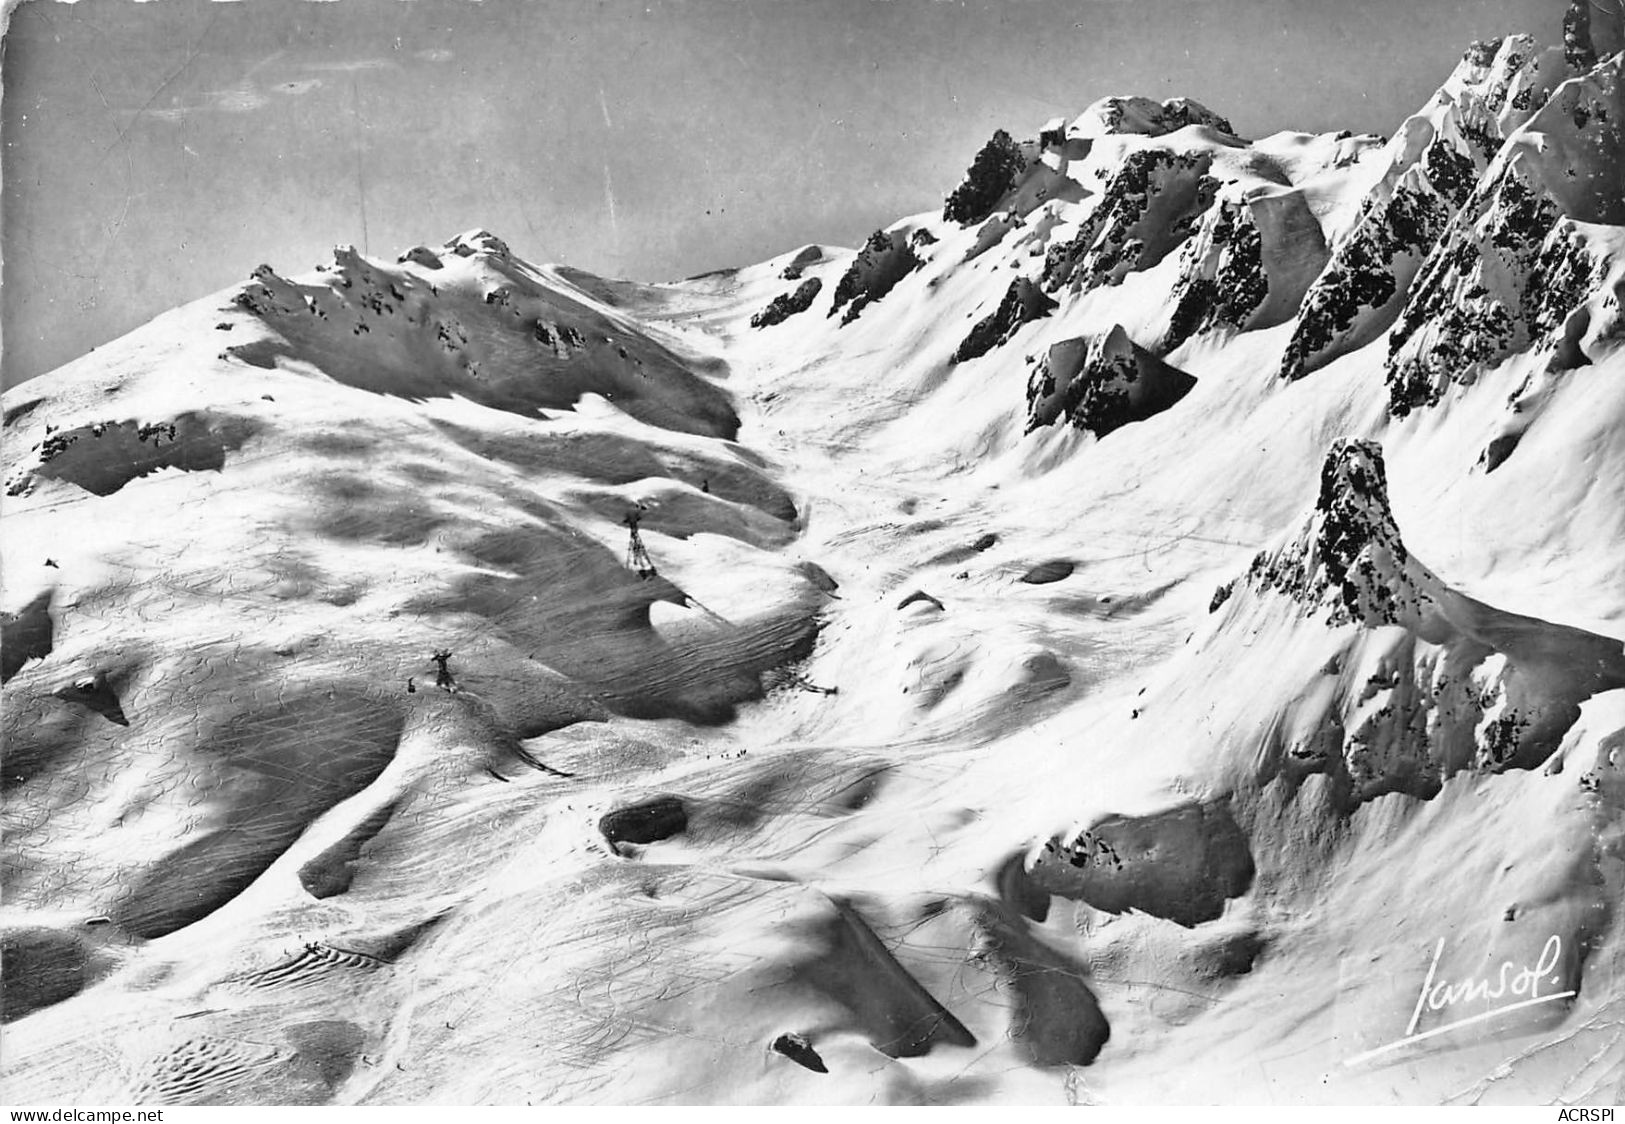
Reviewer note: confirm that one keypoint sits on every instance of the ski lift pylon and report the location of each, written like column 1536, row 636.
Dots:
column 637, row 555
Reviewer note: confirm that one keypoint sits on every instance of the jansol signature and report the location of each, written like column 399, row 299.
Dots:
column 1518, row 984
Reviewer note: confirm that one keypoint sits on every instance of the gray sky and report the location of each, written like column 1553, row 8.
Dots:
column 155, row 152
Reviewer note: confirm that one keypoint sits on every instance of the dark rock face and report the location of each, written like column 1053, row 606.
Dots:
column 1511, row 271
column 478, row 242
column 444, row 348
column 1150, row 118
column 648, row 821
column 786, row 305
column 1357, row 296
column 1439, row 157
column 1102, row 384
column 884, row 261
column 1148, row 206
column 1498, row 450
column 1221, row 278
column 798, row 1049
column 1520, row 268
column 987, row 179
column 1023, row 302
column 1349, row 559
column 1449, row 683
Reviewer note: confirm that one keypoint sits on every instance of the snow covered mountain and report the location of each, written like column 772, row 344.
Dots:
column 1155, row 635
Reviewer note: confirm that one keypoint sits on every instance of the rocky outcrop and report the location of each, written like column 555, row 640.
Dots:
column 1247, row 265
column 1221, row 274
column 992, row 174
column 1102, row 384
column 1148, row 206
column 1143, row 116
column 1023, row 302
column 886, row 258
column 1429, row 682
column 1510, row 272
column 1435, row 161
column 786, row 305
column 1356, row 298
column 1519, row 261
column 474, row 242
column 1348, row 559
column 798, row 1049
column 485, row 326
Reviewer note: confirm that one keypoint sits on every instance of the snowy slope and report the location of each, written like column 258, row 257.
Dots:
column 1126, row 648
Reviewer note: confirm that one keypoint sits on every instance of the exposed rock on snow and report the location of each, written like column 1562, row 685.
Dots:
column 524, row 346
column 1247, row 265
column 1434, row 162
column 1023, row 302
column 1102, row 384
column 920, row 597
column 886, row 258
column 1146, row 117
column 1147, row 207
column 786, row 305
column 1450, row 683
column 473, row 242
column 798, row 1049
column 991, row 175
column 1348, row 559
column 1520, row 259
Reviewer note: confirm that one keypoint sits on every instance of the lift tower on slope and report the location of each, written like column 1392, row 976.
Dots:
column 637, row 555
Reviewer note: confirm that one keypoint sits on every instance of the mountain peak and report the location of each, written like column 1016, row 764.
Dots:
column 478, row 241
column 1119, row 115
column 1348, row 557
